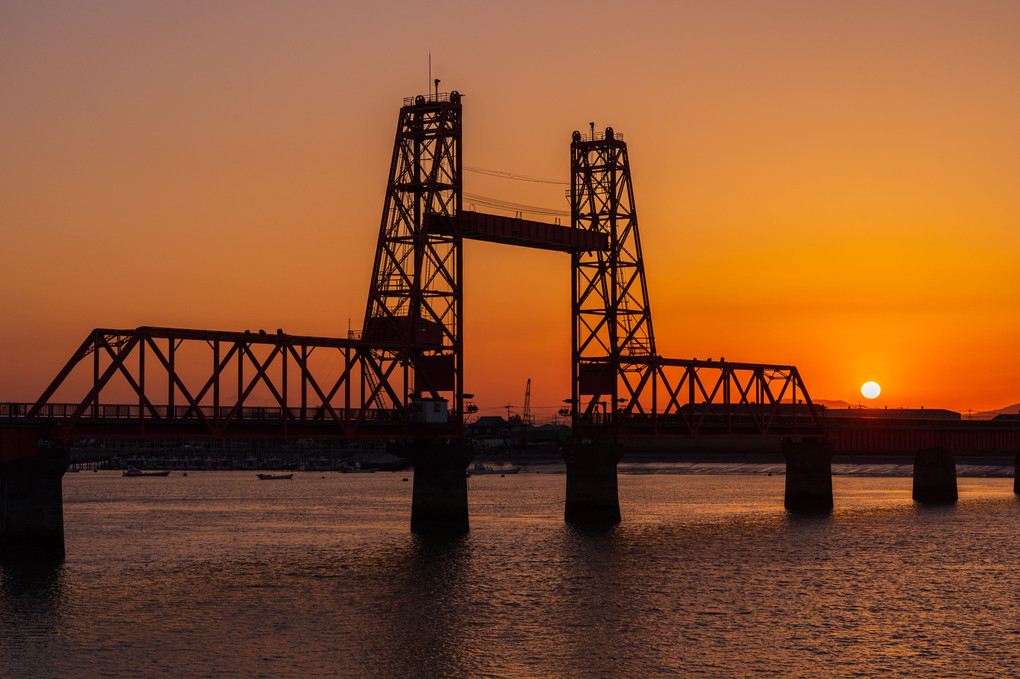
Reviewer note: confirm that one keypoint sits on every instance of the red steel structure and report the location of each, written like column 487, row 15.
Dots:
column 315, row 387
column 416, row 296
column 620, row 384
column 403, row 377
column 612, row 319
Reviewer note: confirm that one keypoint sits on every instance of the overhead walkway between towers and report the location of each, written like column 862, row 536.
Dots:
column 521, row 232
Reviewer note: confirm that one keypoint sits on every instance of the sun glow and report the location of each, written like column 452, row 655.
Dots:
column 871, row 390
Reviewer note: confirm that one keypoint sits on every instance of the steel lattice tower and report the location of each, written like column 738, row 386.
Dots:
column 415, row 299
column 612, row 319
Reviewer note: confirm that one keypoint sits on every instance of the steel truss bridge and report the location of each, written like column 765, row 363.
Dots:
column 402, row 376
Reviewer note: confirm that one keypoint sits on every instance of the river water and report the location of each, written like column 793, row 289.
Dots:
column 218, row 574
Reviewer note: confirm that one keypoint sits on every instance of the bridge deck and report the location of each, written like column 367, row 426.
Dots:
column 523, row 232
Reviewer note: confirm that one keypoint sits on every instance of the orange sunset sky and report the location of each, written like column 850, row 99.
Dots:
column 830, row 184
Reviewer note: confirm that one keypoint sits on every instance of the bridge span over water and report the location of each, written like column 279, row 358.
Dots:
column 401, row 377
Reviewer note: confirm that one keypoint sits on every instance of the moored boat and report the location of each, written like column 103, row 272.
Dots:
column 275, row 477
column 480, row 469
column 356, row 468
column 131, row 471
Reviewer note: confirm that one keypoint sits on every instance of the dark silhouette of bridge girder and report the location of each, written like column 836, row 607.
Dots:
column 522, row 232
column 677, row 397
column 350, row 394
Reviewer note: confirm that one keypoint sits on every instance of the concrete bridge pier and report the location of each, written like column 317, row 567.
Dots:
column 592, row 496
column 808, row 476
column 439, row 501
column 32, row 507
column 1016, row 474
column 935, row 477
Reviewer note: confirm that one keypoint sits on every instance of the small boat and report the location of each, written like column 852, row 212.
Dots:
column 131, row 471
column 275, row 477
column 356, row 468
column 480, row 469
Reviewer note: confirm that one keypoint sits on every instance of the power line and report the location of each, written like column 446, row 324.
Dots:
column 499, row 204
column 516, row 177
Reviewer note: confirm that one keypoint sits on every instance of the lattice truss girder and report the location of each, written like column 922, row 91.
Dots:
column 694, row 397
column 216, row 380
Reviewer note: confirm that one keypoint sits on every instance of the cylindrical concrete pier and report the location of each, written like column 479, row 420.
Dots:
column 1016, row 474
column 439, row 502
column 32, row 507
column 592, row 495
column 935, row 477
column 808, row 476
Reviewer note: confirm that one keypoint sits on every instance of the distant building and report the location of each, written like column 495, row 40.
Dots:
column 546, row 433
column 495, row 432
column 489, row 426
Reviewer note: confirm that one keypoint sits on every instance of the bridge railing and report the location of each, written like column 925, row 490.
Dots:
column 14, row 410
column 156, row 413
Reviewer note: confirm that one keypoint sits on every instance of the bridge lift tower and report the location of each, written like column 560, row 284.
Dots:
column 416, row 295
column 612, row 319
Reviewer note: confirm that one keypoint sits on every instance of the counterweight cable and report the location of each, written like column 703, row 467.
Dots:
column 515, row 177
column 513, row 207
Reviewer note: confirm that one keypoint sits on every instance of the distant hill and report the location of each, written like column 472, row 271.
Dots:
column 983, row 415
column 989, row 414
column 835, row 405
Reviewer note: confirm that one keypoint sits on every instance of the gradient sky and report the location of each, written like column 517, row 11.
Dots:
column 833, row 185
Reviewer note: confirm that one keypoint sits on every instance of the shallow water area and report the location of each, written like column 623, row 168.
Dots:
column 218, row 574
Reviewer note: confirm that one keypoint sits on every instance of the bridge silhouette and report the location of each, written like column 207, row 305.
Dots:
column 402, row 379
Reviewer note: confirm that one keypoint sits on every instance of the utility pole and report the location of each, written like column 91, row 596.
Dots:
column 527, row 403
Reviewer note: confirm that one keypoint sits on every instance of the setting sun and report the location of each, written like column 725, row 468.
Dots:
column 871, row 390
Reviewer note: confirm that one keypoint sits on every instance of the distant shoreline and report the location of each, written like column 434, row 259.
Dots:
column 548, row 461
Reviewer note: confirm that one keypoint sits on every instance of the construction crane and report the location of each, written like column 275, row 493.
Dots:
column 526, row 418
